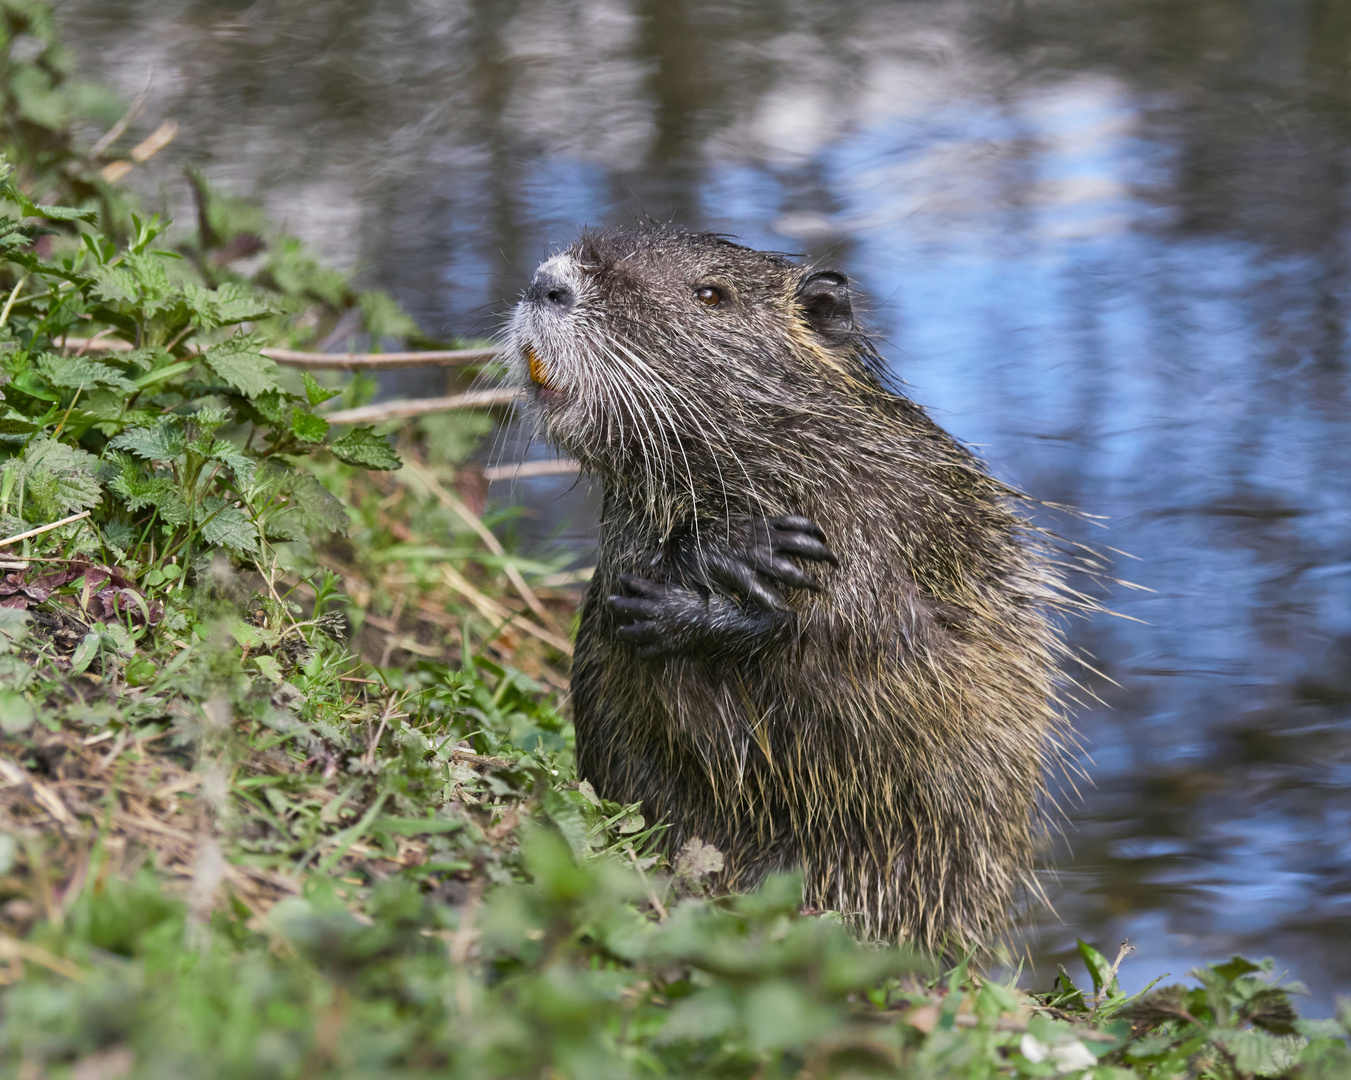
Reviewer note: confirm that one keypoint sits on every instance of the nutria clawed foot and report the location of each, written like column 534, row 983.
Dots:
column 718, row 595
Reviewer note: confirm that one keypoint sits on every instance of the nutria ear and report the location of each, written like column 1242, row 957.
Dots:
column 824, row 296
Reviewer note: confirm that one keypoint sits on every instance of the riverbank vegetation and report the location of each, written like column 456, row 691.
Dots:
column 286, row 781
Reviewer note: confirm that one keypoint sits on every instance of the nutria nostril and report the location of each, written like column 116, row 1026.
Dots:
column 820, row 635
column 552, row 291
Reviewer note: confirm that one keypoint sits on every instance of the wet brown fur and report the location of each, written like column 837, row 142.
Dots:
column 893, row 742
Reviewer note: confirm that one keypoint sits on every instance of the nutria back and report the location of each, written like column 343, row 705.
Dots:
column 820, row 635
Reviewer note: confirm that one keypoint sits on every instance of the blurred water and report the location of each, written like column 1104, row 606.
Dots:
column 1107, row 242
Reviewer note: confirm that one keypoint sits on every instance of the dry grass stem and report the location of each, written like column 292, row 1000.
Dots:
column 527, row 469
column 319, row 361
column 43, row 529
column 403, row 410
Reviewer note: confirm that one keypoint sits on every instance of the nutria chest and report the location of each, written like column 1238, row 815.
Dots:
column 818, row 634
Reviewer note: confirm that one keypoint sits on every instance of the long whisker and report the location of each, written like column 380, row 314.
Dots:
column 717, row 448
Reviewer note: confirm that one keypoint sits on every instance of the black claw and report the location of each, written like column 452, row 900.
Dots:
column 788, row 573
column 795, row 523
column 766, row 597
column 806, row 546
column 644, row 633
column 735, row 572
column 640, row 585
column 635, row 607
column 741, row 576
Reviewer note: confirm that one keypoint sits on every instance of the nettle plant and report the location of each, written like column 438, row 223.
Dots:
column 172, row 429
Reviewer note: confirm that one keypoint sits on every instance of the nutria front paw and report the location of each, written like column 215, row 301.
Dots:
column 757, row 557
column 666, row 619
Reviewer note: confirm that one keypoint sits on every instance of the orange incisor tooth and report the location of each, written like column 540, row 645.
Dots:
column 538, row 372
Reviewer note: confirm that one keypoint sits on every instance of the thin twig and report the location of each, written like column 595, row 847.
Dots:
column 651, row 892
column 9, row 303
column 43, row 528
column 328, row 361
column 402, row 410
column 1124, row 951
column 363, row 361
column 526, row 469
column 386, row 714
column 86, row 343
column 153, row 143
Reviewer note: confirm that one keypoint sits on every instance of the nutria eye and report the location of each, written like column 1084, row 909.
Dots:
column 708, row 295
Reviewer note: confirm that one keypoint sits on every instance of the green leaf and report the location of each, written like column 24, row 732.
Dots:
column 51, row 213
column 1098, row 968
column 296, row 504
column 85, row 651
column 571, row 825
column 16, row 713
column 136, row 485
column 32, row 384
column 270, row 669
column 164, row 442
column 780, row 1015
column 272, row 406
column 232, row 303
column 13, row 628
column 154, row 291
column 113, row 284
column 362, row 446
column 705, row 1014
column 307, row 427
column 316, row 394
column 1065, row 994
column 229, row 454
column 1257, row 1053
column 57, row 478
column 156, row 365
column 296, row 272
column 208, row 418
column 139, row 671
column 227, row 526
column 1236, row 966
column 80, row 371
column 452, row 436
column 36, row 98
column 240, row 364
column 15, row 423
column 320, row 512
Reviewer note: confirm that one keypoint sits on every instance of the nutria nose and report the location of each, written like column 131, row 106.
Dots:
column 545, row 288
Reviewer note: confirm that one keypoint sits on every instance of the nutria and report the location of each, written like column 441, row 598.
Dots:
column 820, row 635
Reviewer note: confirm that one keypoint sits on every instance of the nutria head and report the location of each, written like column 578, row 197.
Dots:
column 661, row 354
